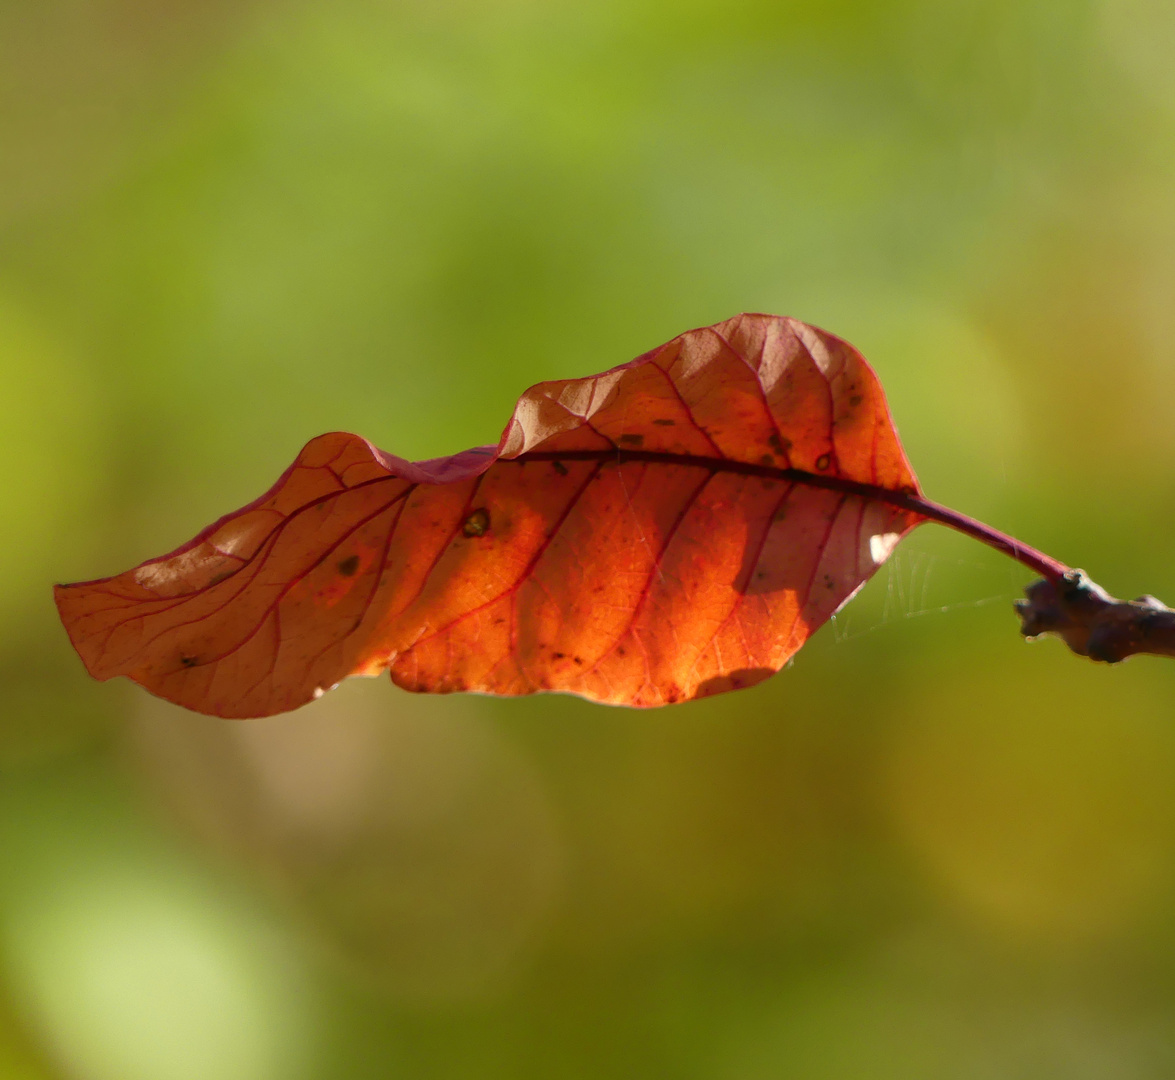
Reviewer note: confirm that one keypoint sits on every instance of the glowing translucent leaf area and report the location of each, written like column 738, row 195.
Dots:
column 673, row 528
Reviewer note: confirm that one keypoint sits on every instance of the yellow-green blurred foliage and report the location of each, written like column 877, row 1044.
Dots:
column 926, row 850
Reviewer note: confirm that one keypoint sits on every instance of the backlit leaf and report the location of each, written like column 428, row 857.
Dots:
column 672, row 528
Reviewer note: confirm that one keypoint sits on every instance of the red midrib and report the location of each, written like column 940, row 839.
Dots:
column 910, row 500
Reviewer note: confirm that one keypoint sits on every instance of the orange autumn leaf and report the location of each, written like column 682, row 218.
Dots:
column 675, row 527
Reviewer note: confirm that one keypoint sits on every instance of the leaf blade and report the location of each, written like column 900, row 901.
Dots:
column 671, row 528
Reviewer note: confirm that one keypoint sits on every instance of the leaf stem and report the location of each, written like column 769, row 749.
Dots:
column 1045, row 565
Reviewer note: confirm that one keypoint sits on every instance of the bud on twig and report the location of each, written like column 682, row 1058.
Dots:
column 1093, row 623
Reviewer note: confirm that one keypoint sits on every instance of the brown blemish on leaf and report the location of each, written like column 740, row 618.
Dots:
column 749, row 676
column 559, row 467
column 855, row 400
column 478, row 523
column 633, row 440
column 736, row 680
column 823, row 461
column 664, row 423
column 188, row 661
column 349, row 565
column 778, row 444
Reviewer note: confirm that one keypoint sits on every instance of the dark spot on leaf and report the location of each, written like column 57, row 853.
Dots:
column 349, row 565
column 823, row 461
column 559, row 467
column 478, row 523
column 749, row 676
column 558, row 655
column 766, row 459
column 188, row 661
column 632, row 440
column 780, row 514
column 579, row 660
column 736, row 680
column 664, row 423
column 855, row 400
column 220, row 577
column 621, row 651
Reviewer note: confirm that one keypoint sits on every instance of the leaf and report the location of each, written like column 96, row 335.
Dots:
column 675, row 527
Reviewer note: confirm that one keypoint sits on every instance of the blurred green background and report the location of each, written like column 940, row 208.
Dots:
column 926, row 850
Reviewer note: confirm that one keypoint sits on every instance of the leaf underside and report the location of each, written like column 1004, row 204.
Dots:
column 673, row 528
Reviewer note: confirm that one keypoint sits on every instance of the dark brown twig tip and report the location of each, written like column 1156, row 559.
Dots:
column 1093, row 623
